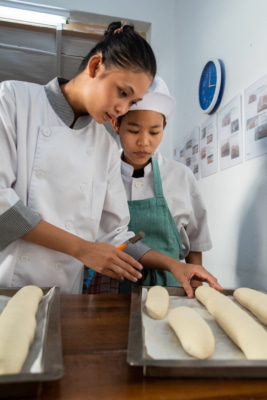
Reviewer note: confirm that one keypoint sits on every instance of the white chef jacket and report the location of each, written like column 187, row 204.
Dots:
column 68, row 177
column 183, row 198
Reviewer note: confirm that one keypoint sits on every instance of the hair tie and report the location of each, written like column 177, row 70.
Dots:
column 120, row 29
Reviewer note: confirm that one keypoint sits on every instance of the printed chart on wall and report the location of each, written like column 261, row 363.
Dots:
column 191, row 151
column 208, row 147
column 187, row 152
column 178, row 153
column 230, row 134
column 256, row 119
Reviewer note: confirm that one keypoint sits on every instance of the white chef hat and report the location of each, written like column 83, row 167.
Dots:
column 157, row 98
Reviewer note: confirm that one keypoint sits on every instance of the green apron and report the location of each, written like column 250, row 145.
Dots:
column 161, row 234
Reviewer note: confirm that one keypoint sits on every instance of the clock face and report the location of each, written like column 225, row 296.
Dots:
column 210, row 86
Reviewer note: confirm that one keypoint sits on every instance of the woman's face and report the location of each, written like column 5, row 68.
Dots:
column 109, row 93
column 140, row 132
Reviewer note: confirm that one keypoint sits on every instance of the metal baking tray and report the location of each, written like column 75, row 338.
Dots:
column 30, row 384
column 180, row 368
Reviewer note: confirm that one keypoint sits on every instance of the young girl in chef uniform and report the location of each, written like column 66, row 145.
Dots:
column 162, row 194
column 62, row 201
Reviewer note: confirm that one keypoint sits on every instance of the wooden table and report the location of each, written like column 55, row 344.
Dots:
column 95, row 335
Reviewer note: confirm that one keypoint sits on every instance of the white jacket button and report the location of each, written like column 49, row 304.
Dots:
column 40, row 174
column 57, row 266
column 138, row 184
column 83, row 187
column 69, row 225
column 24, row 258
column 46, row 132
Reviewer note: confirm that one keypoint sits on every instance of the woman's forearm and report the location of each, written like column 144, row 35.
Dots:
column 102, row 257
column 54, row 238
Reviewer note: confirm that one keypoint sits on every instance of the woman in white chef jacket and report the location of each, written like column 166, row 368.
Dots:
column 62, row 201
column 61, row 196
column 162, row 194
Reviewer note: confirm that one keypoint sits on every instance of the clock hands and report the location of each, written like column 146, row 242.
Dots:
column 209, row 85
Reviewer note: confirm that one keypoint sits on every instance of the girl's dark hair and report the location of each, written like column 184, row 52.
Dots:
column 123, row 47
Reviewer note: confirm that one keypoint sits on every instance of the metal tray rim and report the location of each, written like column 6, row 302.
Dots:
column 183, row 368
column 53, row 358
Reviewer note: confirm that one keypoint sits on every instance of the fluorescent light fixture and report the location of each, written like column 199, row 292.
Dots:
column 15, row 14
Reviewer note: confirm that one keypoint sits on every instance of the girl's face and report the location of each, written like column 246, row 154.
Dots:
column 109, row 93
column 140, row 132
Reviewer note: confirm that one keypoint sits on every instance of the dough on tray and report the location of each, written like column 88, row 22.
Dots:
column 193, row 332
column 157, row 302
column 254, row 300
column 17, row 328
column 245, row 332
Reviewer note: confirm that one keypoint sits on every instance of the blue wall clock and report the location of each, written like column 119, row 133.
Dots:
column 211, row 85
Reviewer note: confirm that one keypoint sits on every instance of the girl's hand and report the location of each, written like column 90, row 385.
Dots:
column 187, row 273
column 183, row 272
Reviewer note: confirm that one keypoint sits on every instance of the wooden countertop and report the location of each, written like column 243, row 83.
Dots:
column 94, row 339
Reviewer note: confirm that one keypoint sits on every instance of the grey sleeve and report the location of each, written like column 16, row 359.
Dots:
column 137, row 250
column 16, row 222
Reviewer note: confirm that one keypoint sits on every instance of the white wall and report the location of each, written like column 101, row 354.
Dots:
column 185, row 34
column 236, row 198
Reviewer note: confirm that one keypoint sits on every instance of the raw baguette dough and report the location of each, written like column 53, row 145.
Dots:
column 157, row 302
column 193, row 332
column 254, row 301
column 17, row 328
column 244, row 331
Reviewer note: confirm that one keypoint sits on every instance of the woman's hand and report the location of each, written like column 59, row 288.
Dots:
column 186, row 273
column 108, row 260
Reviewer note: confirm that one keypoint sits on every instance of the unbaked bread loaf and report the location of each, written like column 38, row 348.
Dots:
column 254, row 300
column 193, row 332
column 245, row 332
column 17, row 328
column 157, row 302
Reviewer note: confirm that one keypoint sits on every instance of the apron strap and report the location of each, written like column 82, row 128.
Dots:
column 157, row 179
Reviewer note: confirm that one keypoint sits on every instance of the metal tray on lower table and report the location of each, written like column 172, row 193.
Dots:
column 183, row 368
column 30, row 384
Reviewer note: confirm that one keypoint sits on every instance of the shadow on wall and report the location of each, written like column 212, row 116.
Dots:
column 252, row 252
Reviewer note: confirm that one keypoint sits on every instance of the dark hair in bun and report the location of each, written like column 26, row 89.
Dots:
column 124, row 48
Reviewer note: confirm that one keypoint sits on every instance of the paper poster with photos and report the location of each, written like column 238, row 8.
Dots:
column 191, row 151
column 230, row 135
column 178, row 153
column 187, row 151
column 208, row 147
column 255, row 111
